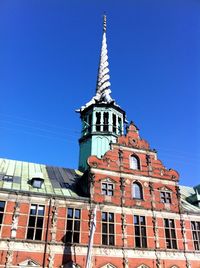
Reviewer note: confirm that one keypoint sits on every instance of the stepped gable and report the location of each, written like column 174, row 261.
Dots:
column 118, row 158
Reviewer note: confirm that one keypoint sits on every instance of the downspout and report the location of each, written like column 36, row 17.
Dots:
column 47, row 231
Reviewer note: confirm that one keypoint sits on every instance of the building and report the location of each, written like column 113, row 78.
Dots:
column 121, row 208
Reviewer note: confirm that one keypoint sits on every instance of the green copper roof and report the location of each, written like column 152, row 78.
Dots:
column 18, row 175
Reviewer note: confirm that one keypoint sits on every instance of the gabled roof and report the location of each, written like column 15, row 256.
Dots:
column 17, row 176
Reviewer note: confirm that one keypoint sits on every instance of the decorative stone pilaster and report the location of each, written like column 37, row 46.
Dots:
column 15, row 218
column 9, row 255
column 155, row 226
column 54, row 220
column 149, row 166
column 51, row 257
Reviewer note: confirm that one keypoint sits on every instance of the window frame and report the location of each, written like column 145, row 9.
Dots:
column 137, row 160
column 35, row 228
column 140, row 189
column 170, row 238
column 139, row 226
column 106, row 189
column 72, row 230
column 164, row 198
column 108, row 234
column 196, row 232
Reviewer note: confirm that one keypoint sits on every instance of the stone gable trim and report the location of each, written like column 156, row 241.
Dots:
column 131, row 176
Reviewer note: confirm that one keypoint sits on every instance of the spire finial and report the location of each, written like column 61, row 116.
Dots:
column 104, row 22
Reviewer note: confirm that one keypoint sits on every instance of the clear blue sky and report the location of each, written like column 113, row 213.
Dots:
column 49, row 53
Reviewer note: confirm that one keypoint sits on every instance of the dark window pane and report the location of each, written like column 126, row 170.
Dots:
column 137, row 230
column 168, row 243
column 144, row 242
column 111, row 217
column 111, row 228
column 167, row 233
column 41, row 210
column 173, row 234
column 196, row 245
column 69, row 236
column 104, row 239
column 40, row 222
column 166, row 223
column 76, row 225
column 143, row 231
column 31, row 221
column 2, row 205
column 137, row 242
column 38, row 234
column 193, row 225
column 69, row 225
column 142, row 220
column 174, row 244
column 104, row 216
column 111, row 240
column 77, row 214
column 171, row 223
column 30, row 233
column 76, row 237
column 104, row 228
column 33, row 210
column 70, row 213
column 1, row 218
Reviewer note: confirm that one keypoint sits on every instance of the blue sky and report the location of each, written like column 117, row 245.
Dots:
column 49, row 53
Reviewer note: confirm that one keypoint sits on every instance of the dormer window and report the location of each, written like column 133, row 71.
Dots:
column 37, row 180
column 134, row 162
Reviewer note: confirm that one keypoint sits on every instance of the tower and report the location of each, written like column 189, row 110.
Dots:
column 102, row 119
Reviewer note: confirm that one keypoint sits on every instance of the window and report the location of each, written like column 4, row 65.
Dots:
column 98, row 121
column 108, row 236
column 165, row 197
column 134, row 162
column 107, row 188
column 7, row 178
column 2, row 206
column 120, row 125
column 37, row 182
column 196, row 234
column 170, row 233
column 105, row 121
column 114, row 123
column 73, row 225
column 140, row 232
column 137, row 190
column 90, row 123
column 35, row 224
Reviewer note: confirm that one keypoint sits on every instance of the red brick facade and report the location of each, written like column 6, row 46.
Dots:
column 139, row 221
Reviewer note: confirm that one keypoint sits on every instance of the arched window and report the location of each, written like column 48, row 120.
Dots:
column 134, row 162
column 137, row 190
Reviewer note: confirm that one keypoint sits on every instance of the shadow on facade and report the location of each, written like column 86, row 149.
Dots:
column 69, row 255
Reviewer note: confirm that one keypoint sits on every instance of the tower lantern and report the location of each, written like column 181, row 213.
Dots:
column 102, row 119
